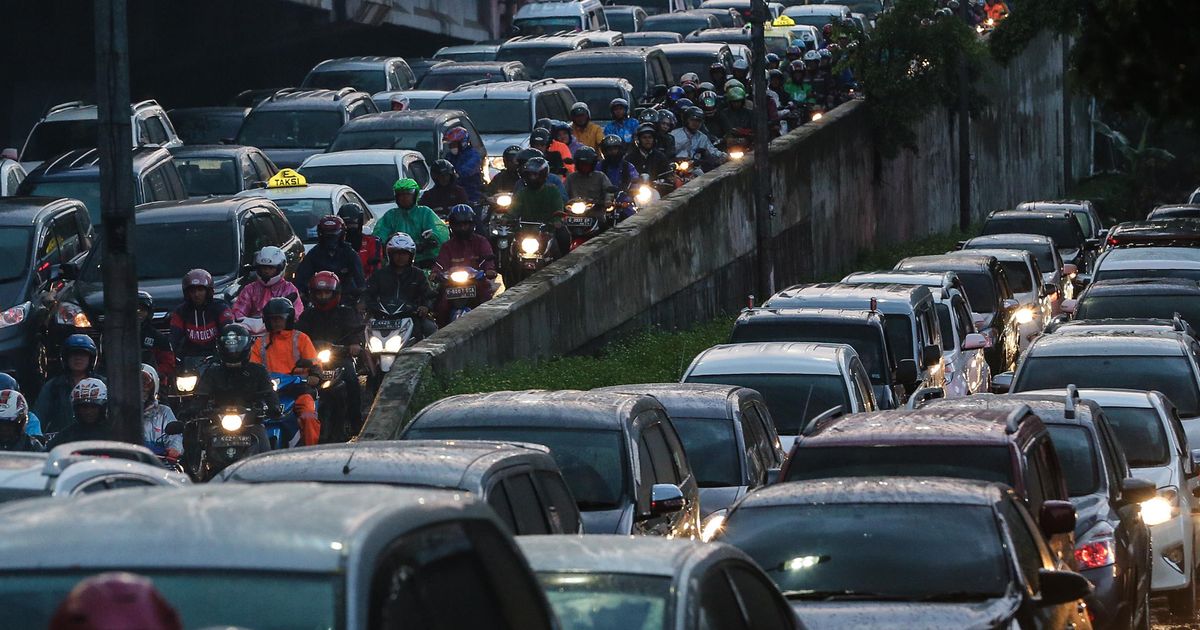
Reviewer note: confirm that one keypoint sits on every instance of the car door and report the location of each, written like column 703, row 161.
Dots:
column 1053, row 487
column 1032, row 554
column 755, row 458
column 1132, row 536
column 249, row 172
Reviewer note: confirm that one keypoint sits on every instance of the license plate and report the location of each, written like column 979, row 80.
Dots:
column 573, row 221
column 386, row 323
column 232, row 440
column 458, row 293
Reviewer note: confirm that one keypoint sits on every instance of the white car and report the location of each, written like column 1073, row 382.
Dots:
column 1148, row 262
column 371, row 172
column 82, row 468
column 1025, row 279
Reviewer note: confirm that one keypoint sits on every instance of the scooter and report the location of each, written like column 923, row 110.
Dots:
column 217, row 437
column 284, row 431
column 584, row 220
column 389, row 330
column 460, row 288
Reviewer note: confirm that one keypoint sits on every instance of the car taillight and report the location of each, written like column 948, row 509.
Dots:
column 1095, row 554
column 1112, row 241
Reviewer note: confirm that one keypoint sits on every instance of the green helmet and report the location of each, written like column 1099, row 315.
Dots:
column 408, row 185
column 735, row 94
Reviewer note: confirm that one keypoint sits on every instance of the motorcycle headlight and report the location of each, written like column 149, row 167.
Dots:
column 393, row 344
column 683, row 166
column 737, row 154
column 324, row 356
column 186, row 383
column 530, row 245
column 72, row 315
column 504, row 200
column 644, row 195
column 375, row 344
column 1024, row 315
column 459, row 277
column 14, row 315
column 578, row 207
column 817, row 116
column 231, row 422
column 496, row 163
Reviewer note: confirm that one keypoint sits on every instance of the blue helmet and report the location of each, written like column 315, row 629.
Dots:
column 461, row 213
column 675, row 93
column 8, row 382
column 81, row 343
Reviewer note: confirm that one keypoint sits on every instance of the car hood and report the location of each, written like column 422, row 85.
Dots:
column 607, row 521
column 1160, row 476
column 290, row 158
column 1089, row 510
column 713, row 499
column 904, row 615
column 497, row 143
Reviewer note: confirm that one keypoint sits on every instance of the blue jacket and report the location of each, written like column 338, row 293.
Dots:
column 624, row 129
column 469, row 166
column 620, row 172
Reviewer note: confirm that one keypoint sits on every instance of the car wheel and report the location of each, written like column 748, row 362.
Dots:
column 1182, row 602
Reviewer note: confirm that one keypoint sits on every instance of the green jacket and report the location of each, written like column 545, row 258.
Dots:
column 538, row 205
column 413, row 222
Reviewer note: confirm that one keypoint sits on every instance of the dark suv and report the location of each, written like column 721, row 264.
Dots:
column 293, row 124
column 37, row 235
column 1155, row 233
column 76, row 174
column 1074, row 245
column 1138, row 298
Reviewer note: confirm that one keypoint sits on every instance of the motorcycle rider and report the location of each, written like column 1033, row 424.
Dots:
column 537, row 202
column 445, row 192
column 585, row 131
column 467, row 162
column 506, row 180
column 14, row 418
column 645, row 155
column 561, row 132
column 53, row 406
column 156, row 416
column 691, row 141
column 467, row 249
column 586, row 182
column 89, row 402
column 285, row 350
column 553, row 180
column 666, row 123
column 269, row 263
column 737, row 120
column 34, row 426
column 741, row 71
column 797, row 87
column 621, row 125
column 370, row 250
column 615, row 167
column 156, row 347
column 399, row 282
column 235, row 381
column 718, row 74
column 417, row 221
column 556, row 152
column 332, row 253
column 333, row 323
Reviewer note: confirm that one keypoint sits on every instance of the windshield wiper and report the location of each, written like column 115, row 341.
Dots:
column 959, row 596
column 844, row 594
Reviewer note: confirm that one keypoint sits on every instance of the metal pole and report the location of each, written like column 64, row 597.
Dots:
column 114, row 146
column 964, row 139
column 762, row 166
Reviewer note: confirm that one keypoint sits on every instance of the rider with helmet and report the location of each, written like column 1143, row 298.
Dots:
column 718, row 73
column 53, row 406
column 329, row 321
column 585, row 131
column 34, row 426
column 537, row 202
column 195, row 322
column 269, row 264
column 332, row 253
column 14, row 419
column 417, row 221
column 445, row 192
column 772, row 61
column 741, row 71
column 399, row 282
column 235, row 381
column 89, row 404
column 645, row 155
column 692, row 140
column 666, row 123
column 553, row 180
column 285, row 350
column 736, row 119
column 468, row 249
column 561, row 132
column 398, row 102
column 155, row 418
column 156, row 347
column 506, row 180
column 621, row 125
column 467, row 162
column 587, row 182
column 370, row 250
column 797, row 87
column 556, row 153
column 613, row 164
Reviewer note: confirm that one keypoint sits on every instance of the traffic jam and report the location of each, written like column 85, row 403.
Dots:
column 1005, row 435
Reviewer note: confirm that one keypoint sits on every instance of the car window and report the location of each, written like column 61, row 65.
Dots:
column 678, row 453
column 527, row 508
column 156, row 133
column 646, row 471
column 155, row 187
column 1024, row 540
column 14, row 180
column 719, row 607
column 560, row 505
column 1033, row 481
column 249, row 173
column 752, row 435
column 765, row 609
column 112, row 483
column 962, row 317
column 660, row 455
column 359, row 109
column 1053, row 480
column 266, row 227
column 254, row 238
column 772, row 438
column 1003, row 286
column 929, row 324
column 280, row 226
column 497, row 498
column 420, row 172
column 65, row 231
column 863, row 385
column 266, row 170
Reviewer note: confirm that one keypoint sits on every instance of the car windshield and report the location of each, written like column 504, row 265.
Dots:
column 52, row 138
column 1042, row 253
column 981, row 290
column 632, row 71
column 209, row 176
column 711, row 449
column 85, row 190
column 546, row 26
column 422, row 140
column 372, row 181
column 682, row 25
column 14, row 254
column 495, row 116
column 793, row 399
column 1126, row 274
column 1138, row 306
column 202, row 598
column 899, row 330
column 301, row 129
column 630, row 602
column 1141, row 434
column 447, row 81
column 304, row 214
column 865, row 339
column 592, row 462
column 1077, row 457
column 874, row 550
column 534, row 58
column 597, row 100
column 170, row 250
column 620, row 21
column 369, row 81
column 1020, row 278
column 682, row 64
column 205, row 128
column 988, row 463
column 1064, row 231
column 1170, row 375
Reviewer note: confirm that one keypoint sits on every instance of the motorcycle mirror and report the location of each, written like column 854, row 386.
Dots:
column 174, row 427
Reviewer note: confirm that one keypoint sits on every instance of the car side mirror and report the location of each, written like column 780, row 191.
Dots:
column 1050, row 288
column 773, row 475
column 9, row 153
column 1057, row 517
column 931, row 355
column 1069, row 306
column 1134, row 491
column 173, row 427
column 1011, row 304
column 974, row 341
column 1069, row 269
column 906, row 371
column 1061, row 587
column 960, row 245
column 921, row 396
column 1083, row 279
column 1002, row 382
column 1102, row 233
column 666, row 499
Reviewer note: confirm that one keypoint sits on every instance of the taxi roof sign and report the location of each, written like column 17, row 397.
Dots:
column 286, row 178
column 783, row 20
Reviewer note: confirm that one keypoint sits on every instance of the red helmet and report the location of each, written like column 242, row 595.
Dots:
column 115, row 600
column 331, row 225
column 457, row 134
column 198, row 278
column 325, row 281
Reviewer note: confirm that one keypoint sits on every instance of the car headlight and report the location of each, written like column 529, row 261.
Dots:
column 324, row 356
column 1161, row 508
column 1024, row 315
column 737, row 154
column 375, row 344
column 530, row 245
column 578, row 207
column 712, row 525
column 644, row 195
column 459, row 277
column 231, row 422
column 505, row 200
column 186, row 383
column 393, row 344
column 72, row 315
column 14, row 315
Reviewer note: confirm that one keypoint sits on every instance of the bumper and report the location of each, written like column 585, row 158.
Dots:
column 1106, row 602
column 1171, row 535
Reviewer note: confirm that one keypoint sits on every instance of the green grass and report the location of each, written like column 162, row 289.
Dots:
column 650, row 356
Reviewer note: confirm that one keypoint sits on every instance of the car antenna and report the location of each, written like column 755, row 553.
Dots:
column 346, row 467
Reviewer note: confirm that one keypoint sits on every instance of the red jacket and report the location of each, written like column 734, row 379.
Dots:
column 371, row 254
column 459, row 252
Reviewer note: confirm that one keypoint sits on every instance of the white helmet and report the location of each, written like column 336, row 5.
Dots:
column 271, row 256
column 148, row 372
column 13, row 407
column 812, row 55
column 403, row 241
column 90, row 391
column 398, row 102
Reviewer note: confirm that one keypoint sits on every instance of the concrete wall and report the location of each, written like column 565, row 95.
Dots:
column 692, row 256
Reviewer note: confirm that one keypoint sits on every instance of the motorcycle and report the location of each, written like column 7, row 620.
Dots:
column 532, row 247
column 284, row 431
column 490, row 207
column 687, row 170
column 216, row 438
column 460, row 287
column 389, row 330
column 187, row 376
column 584, row 220
column 738, row 146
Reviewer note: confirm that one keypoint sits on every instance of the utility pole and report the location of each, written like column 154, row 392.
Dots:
column 122, row 358
column 964, row 136
column 762, row 173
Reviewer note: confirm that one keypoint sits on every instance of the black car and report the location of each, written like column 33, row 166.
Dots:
column 76, row 174
column 1167, row 232
column 421, row 66
column 218, row 234
column 682, row 22
column 37, row 236
column 909, row 552
column 220, row 169
column 1074, row 245
column 207, row 125
column 619, row 454
column 1139, row 298
column 448, row 76
column 415, row 130
column 1112, row 544
column 625, row 18
column 292, row 124
column 1175, row 211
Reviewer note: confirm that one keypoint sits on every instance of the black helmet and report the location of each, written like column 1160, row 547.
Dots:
column 648, row 116
column 280, row 307
column 535, row 169
column 146, row 301
column 528, row 154
column 234, row 343
column 351, row 213
column 540, row 135
column 585, row 155
column 511, row 152
column 645, row 129
column 693, row 113
column 442, row 167
column 797, row 65
column 544, row 123
column 717, row 65
column 579, row 109
column 611, row 142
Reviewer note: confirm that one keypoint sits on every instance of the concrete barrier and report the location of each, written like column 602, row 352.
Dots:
column 691, row 256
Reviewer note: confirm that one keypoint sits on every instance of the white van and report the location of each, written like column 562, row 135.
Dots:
column 552, row 16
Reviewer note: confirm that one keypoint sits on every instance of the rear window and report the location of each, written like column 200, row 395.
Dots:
column 597, row 99
column 209, row 176
column 630, row 70
column 899, row 335
column 372, row 181
column 369, row 81
column 450, row 80
column 422, row 140
column 298, row 129
column 794, row 399
column 1141, row 434
column 981, row 290
column 1077, row 457
column 865, row 340
column 1020, row 279
column 711, row 449
column 534, row 58
column 1137, row 306
column 49, row 139
column 1170, row 375
column 987, row 463
column 1065, row 231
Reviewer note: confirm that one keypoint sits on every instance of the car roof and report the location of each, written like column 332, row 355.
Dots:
column 601, row 54
column 1096, row 342
column 609, row 82
column 85, row 163
column 28, row 210
column 683, row 48
column 940, row 279
column 1150, row 258
column 817, row 9
column 261, row 527
column 1012, row 238
column 1044, row 215
column 1161, row 228
column 291, row 99
column 1143, row 286
column 730, row 33
column 311, row 191
column 946, row 262
column 571, row 38
column 771, row 357
column 535, row 409
column 1050, row 206
column 407, row 119
column 887, row 296
column 450, row 464
column 687, row 400
column 503, row 89
column 209, row 151
column 637, row 555
column 850, row 490
column 926, row 426
column 1007, row 255
column 810, row 314
column 471, row 66
column 663, row 17
column 353, row 63
column 354, row 157
column 1050, row 407
column 622, row 8
column 468, row 48
column 1111, row 397
column 222, row 208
